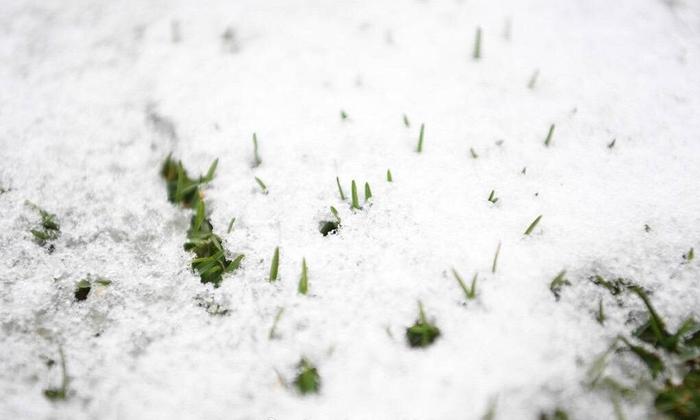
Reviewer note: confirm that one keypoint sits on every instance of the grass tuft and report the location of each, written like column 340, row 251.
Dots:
column 422, row 333
column 275, row 265
column 533, row 225
column 49, row 230
column 556, row 285
column 469, row 292
column 181, row 188
column 328, row 227
column 307, row 381
column 389, row 178
column 549, row 135
column 688, row 257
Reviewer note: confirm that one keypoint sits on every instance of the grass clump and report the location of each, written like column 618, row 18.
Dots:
column 304, row 279
column 48, row 230
column 689, row 256
column 422, row 333
column 556, row 285
column 330, row 227
column 210, row 260
column 533, row 225
column 182, row 189
column 274, row 266
column 469, row 292
column 307, row 381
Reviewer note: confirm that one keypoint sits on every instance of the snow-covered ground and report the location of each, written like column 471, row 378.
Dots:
column 94, row 95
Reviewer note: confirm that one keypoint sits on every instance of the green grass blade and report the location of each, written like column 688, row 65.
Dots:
column 419, row 148
column 340, row 189
column 549, row 135
column 274, row 267
column 533, row 225
column 368, row 192
column 304, row 280
column 389, row 178
column 355, row 199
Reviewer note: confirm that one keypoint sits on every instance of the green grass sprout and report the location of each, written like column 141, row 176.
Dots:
column 230, row 225
column 181, row 188
column 477, row 44
column 469, row 292
column 556, row 285
column 495, row 258
column 304, row 279
column 49, row 230
column 368, row 192
column 343, row 115
column 533, row 225
column 61, row 392
column 328, row 227
column 389, row 178
column 688, row 257
column 355, row 199
column 549, row 135
column 473, row 153
column 307, row 381
column 273, row 329
column 340, row 189
column 612, row 144
column 422, row 333
column 262, row 185
column 492, row 197
column 405, row 121
column 600, row 314
column 82, row 290
column 274, row 266
column 256, row 157
column 419, row 148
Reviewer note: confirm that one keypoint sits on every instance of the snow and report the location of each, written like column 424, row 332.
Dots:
column 82, row 82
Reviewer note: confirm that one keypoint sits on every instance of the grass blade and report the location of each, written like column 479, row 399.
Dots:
column 549, row 136
column 477, row 44
column 533, row 225
column 419, row 148
column 304, row 280
column 355, row 199
column 274, row 267
column 262, row 185
column 340, row 189
column 256, row 157
column 389, row 178
column 495, row 258
column 368, row 192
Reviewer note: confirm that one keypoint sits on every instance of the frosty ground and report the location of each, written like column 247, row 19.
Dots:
column 95, row 95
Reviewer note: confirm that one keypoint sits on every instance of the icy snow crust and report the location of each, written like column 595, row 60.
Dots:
column 94, row 95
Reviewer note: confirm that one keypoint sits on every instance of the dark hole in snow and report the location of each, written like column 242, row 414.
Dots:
column 328, row 228
column 82, row 290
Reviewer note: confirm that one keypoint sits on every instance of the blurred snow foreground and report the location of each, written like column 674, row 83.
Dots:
column 583, row 112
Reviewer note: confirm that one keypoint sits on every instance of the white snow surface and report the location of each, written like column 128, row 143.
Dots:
column 82, row 81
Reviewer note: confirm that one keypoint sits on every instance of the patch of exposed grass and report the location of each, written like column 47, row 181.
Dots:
column 422, row 333
column 182, row 189
column 48, row 230
column 307, row 380
column 556, row 285
column 329, row 227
